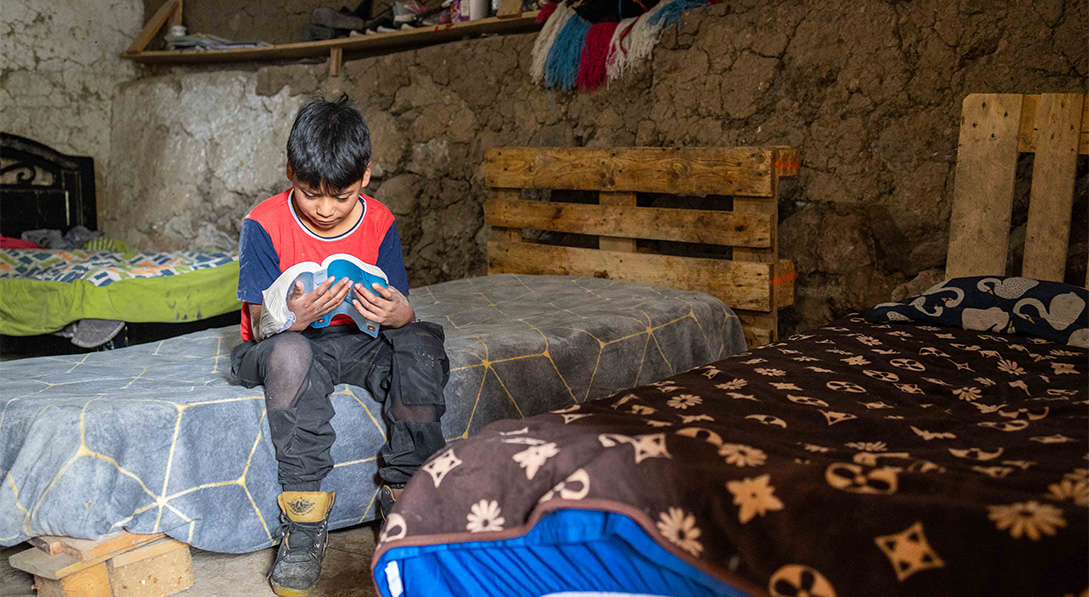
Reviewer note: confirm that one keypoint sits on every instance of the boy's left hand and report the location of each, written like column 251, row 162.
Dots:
column 385, row 306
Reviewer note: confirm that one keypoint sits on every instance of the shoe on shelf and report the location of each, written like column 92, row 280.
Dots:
column 304, row 527
column 404, row 12
column 327, row 17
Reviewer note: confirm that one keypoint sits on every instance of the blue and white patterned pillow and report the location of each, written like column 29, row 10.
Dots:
column 1050, row 310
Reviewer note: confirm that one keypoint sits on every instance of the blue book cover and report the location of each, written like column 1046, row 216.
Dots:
column 340, row 266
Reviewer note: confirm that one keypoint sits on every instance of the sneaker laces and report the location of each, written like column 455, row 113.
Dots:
column 290, row 531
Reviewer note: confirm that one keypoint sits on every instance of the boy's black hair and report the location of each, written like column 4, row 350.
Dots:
column 329, row 148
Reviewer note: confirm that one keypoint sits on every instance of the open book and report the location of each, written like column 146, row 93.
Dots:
column 312, row 275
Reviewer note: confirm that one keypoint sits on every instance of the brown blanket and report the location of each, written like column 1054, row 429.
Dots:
column 859, row 459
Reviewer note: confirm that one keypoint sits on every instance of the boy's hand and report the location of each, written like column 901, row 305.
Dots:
column 309, row 307
column 386, row 306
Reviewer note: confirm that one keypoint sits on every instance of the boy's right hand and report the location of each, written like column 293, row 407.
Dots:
column 309, row 307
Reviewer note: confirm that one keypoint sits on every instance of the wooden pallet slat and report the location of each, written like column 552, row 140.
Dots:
column 627, row 221
column 616, row 239
column 1027, row 136
column 1052, row 193
column 676, row 171
column 741, row 285
column 983, row 186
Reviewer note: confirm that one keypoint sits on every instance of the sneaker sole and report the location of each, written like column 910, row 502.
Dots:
column 289, row 592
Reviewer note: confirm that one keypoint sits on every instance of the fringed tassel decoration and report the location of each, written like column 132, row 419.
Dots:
column 562, row 65
column 595, row 55
column 671, row 12
column 618, row 60
column 546, row 11
column 546, row 38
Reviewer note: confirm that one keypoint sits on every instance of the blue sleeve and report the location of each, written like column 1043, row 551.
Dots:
column 258, row 263
column 392, row 261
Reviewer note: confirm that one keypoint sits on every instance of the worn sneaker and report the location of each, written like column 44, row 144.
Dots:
column 304, row 529
column 406, row 12
column 387, row 497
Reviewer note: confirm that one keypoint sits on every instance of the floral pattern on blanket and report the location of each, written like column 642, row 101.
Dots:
column 102, row 268
column 859, row 459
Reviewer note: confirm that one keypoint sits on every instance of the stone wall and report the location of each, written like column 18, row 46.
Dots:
column 869, row 90
column 60, row 69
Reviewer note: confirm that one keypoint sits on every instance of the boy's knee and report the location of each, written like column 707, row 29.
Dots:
column 286, row 368
column 421, row 362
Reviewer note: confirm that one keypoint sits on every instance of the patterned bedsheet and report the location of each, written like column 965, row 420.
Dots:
column 859, row 459
column 155, row 437
column 102, row 268
column 42, row 291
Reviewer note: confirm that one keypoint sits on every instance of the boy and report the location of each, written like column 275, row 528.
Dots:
column 405, row 367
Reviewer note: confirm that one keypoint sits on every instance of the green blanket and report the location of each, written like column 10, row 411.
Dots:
column 43, row 291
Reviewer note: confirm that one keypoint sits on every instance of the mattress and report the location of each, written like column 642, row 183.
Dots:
column 156, row 438
column 857, row 459
column 41, row 291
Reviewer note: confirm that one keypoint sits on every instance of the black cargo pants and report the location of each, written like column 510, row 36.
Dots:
column 404, row 368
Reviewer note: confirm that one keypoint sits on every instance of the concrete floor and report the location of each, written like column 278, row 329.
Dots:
column 346, row 571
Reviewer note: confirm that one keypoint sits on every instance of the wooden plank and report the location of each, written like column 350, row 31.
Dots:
column 682, row 225
column 151, row 550
column 1083, row 137
column 676, row 170
column 508, row 9
column 52, row 567
column 784, row 283
column 336, row 56
column 47, row 543
column 1028, row 133
column 979, row 227
column 1051, row 203
column 156, row 570
column 742, row 285
column 176, row 16
column 769, row 208
column 510, row 234
column 786, row 160
column 153, row 26
column 757, row 328
column 362, row 44
column 90, row 582
column 617, row 240
column 86, row 550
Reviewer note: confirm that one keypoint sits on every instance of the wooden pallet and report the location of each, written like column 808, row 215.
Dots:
column 754, row 281
column 122, row 565
column 995, row 128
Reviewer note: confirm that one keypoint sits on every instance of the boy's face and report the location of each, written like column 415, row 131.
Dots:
column 326, row 210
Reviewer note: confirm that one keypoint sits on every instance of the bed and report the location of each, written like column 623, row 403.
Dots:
column 42, row 291
column 126, row 439
column 893, row 454
column 95, row 444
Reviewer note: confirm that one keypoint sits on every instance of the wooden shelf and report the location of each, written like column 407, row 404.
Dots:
column 377, row 42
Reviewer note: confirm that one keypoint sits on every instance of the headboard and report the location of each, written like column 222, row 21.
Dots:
column 751, row 279
column 994, row 129
column 43, row 188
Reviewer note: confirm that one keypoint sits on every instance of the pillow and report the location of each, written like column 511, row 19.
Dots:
column 1050, row 310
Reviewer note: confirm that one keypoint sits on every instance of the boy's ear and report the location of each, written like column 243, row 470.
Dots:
column 290, row 175
column 366, row 177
